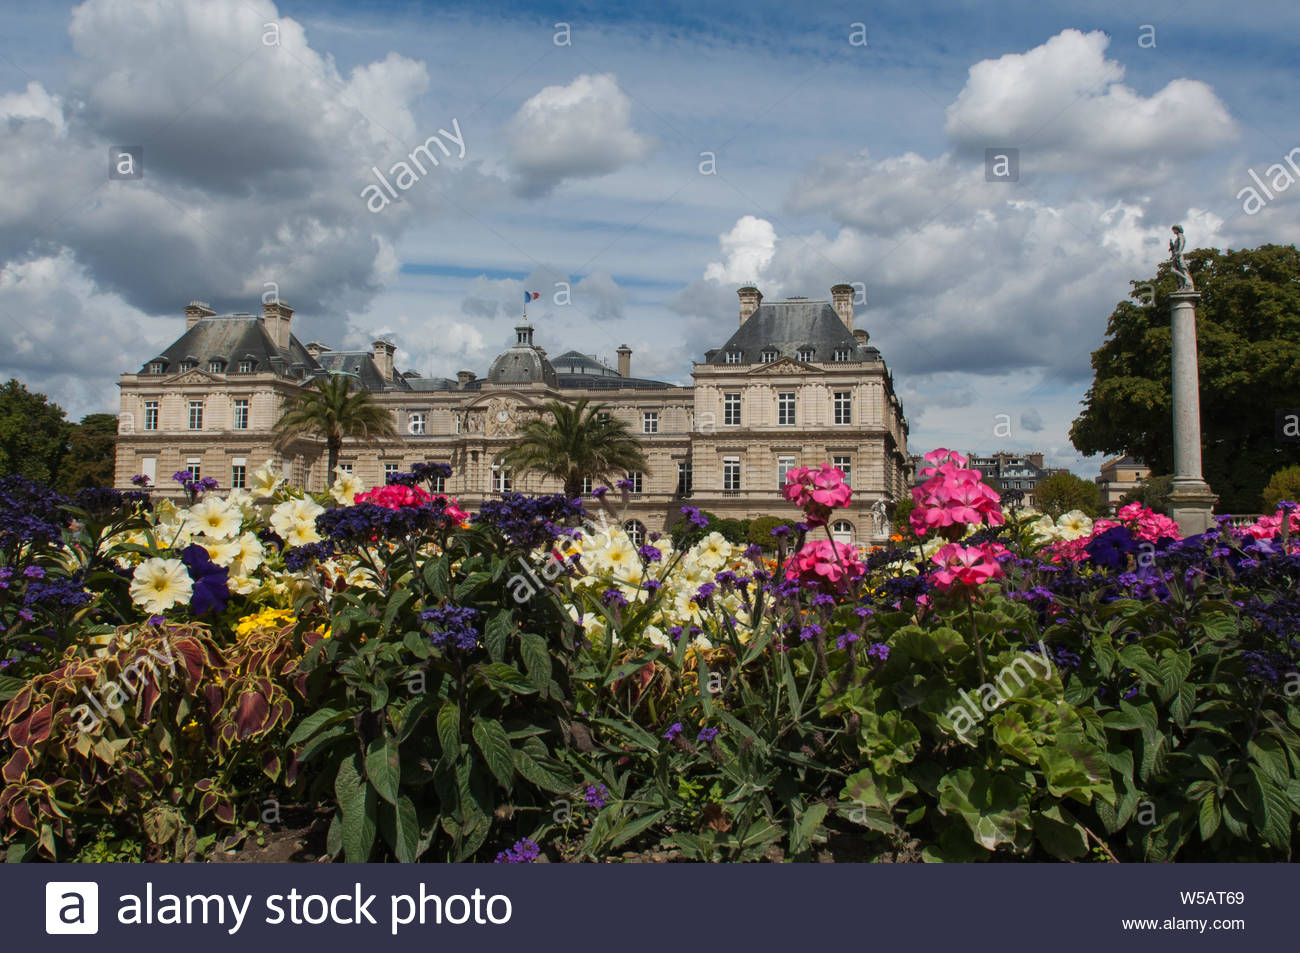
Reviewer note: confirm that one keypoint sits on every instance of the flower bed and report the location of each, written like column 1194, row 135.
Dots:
column 525, row 681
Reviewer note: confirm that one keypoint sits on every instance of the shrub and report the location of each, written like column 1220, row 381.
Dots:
column 760, row 530
column 1283, row 485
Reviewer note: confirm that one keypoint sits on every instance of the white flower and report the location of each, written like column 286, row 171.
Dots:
column 221, row 551
column 266, row 480
column 286, row 516
column 346, row 488
column 713, row 551
column 249, row 555
column 1074, row 525
column 657, row 637
column 1044, row 527
column 617, row 557
column 215, row 518
column 158, row 584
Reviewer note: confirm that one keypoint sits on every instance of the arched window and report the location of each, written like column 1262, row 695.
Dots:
column 635, row 530
column 842, row 531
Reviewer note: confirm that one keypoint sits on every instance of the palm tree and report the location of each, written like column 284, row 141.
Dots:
column 328, row 409
column 579, row 442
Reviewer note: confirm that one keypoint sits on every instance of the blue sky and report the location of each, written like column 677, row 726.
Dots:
column 832, row 161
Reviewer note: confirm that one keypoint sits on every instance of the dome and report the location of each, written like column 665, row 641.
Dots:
column 523, row 363
column 575, row 362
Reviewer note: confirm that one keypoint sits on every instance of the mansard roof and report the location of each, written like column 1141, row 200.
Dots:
column 787, row 327
column 232, row 339
column 358, row 363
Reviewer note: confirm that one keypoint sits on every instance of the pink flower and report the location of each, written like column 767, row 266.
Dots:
column 826, row 562
column 1266, row 527
column 394, row 497
column 453, row 509
column 818, row 491
column 966, row 565
column 953, row 497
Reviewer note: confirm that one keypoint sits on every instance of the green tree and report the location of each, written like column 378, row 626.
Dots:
column 1153, row 493
column 1283, row 485
column 329, row 409
column 1248, row 329
column 760, row 530
column 581, row 441
column 1063, row 492
column 91, row 454
column 33, row 434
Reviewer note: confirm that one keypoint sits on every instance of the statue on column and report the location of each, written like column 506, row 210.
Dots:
column 1178, row 264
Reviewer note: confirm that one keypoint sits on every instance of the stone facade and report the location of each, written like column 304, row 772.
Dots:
column 796, row 385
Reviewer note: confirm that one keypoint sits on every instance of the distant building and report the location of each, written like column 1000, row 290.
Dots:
column 795, row 385
column 1120, row 475
column 1013, row 472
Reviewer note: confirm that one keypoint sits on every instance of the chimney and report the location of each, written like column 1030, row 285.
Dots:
column 383, row 355
column 750, row 299
column 861, row 336
column 624, row 361
column 276, row 316
column 316, row 349
column 842, row 299
column 195, row 312
column 463, row 378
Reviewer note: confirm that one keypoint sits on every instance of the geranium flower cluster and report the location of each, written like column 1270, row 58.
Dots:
column 817, row 491
column 826, row 564
column 953, row 498
column 969, row 566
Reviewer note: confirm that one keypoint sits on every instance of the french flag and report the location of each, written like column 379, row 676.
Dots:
column 531, row 296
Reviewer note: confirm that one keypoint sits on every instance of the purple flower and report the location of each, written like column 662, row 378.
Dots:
column 624, row 484
column 650, row 554
column 141, row 480
column 673, row 731
column 183, row 477
column 523, row 851
column 211, row 582
column 706, row 735
column 34, row 572
column 705, row 592
column 612, row 597
column 452, row 624
column 695, row 516
column 878, row 650
column 596, row 796
column 780, row 532
column 845, row 638
column 863, row 612
column 753, row 552
column 652, row 585
column 599, row 492
column 809, row 631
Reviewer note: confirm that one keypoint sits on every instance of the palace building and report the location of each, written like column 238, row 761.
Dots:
column 796, row 384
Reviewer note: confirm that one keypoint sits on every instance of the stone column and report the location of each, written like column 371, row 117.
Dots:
column 1191, row 497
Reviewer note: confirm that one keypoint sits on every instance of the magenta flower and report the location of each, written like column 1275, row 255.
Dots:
column 966, row 565
column 953, row 497
column 823, row 562
column 818, row 491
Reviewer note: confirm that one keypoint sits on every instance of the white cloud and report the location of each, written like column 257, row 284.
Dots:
column 1064, row 105
column 579, row 131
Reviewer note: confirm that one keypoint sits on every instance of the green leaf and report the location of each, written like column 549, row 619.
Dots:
column 314, row 723
column 1217, row 625
column 1271, row 810
column 449, row 730
column 537, row 659
column 496, row 634
column 395, row 604
column 9, row 687
column 803, row 834
column 1059, row 833
column 1174, row 669
column 1270, row 755
column 492, row 741
column 500, row 676
column 357, row 805
column 1209, row 815
column 541, row 775
column 401, row 828
column 383, row 769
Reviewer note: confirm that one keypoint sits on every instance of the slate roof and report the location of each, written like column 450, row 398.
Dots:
column 234, row 338
column 575, row 362
column 360, row 363
column 578, row 371
column 789, row 326
column 522, row 364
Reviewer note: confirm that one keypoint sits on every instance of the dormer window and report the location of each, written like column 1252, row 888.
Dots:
column 245, row 367
column 733, row 357
column 805, row 354
column 769, row 356
column 842, row 354
column 156, row 367
column 187, row 366
column 216, row 367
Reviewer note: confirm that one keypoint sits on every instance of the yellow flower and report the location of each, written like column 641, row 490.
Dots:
column 263, row 619
column 158, row 584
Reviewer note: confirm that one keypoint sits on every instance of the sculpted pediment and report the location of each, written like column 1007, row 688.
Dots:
column 191, row 377
column 784, row 365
